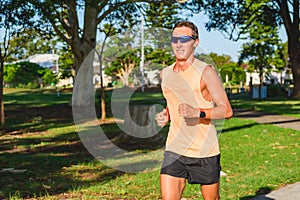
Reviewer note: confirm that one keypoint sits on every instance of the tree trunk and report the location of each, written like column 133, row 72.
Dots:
column 296, row 75
column 2, row 113
column 102, row 101
column 83, row 90
column 84, row 51
column 294, row 55
column 102, row 92
column 291, row 23
column 126, row 79
column 139, row 125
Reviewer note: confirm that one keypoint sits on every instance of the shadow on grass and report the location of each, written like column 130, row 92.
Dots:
column 235, row 128
column 61, row 164
column 21, row 118
column 54, row 163
column 259, row 194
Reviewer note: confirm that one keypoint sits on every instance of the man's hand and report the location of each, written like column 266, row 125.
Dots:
column 187, row 111
column 162, row 118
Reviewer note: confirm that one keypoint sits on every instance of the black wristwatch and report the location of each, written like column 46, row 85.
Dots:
column 202, row 114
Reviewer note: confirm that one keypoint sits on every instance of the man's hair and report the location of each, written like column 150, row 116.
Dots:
column 190, row 25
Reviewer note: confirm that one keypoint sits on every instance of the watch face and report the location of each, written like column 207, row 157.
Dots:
column 202, row 114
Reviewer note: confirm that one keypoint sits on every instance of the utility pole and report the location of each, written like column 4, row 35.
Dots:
column 142, row 54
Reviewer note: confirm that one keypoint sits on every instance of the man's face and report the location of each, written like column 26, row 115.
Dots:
column 183, row 44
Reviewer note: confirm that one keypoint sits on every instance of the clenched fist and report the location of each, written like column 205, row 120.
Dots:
column 162, row 118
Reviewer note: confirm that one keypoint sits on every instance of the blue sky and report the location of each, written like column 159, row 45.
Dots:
column 214, row 41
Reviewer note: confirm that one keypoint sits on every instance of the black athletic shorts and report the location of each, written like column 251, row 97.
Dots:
column 203, row 171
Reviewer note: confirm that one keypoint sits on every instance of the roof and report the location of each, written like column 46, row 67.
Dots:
column 44, row 60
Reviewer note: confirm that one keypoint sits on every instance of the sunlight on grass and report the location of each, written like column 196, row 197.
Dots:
column 255, row 157
column 282, row 107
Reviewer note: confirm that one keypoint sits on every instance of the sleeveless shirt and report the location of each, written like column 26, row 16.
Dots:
column 188, row 136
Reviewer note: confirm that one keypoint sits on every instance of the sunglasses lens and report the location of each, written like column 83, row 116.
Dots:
column 174, row 39
column 182, row 39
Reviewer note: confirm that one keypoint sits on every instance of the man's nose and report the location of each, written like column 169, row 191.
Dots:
column 178, row 43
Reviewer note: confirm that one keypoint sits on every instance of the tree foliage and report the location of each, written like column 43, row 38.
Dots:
column 236, row 18
column 15, row 16
column 123, row 65
column 33, row 42
column 76, row 22
column 27, row 75
column 260, row 50
column 64, row 16
column 229, row 71
column 66, row 63
column 158, row 58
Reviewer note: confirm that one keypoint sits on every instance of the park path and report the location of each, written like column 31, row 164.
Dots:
column 266, row 118
column 288, row 192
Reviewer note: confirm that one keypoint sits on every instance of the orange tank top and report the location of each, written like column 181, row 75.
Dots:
column 188, row 137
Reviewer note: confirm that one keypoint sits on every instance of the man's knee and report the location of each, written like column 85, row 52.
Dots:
column 210, row 192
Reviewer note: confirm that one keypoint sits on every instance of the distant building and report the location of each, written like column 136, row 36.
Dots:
column 51, row 61
column 271, row 78
column 44, row 60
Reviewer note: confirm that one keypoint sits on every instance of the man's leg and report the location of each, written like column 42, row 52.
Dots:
column 210, row 192
column 171, row 187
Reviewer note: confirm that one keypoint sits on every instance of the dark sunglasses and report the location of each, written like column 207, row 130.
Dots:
column 182, row 39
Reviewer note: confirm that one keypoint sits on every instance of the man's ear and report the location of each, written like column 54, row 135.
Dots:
column 197, row 41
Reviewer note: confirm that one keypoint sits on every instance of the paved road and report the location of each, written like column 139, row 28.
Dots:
column 288, row 192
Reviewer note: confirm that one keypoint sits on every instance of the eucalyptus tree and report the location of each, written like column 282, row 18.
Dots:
column 15, row 16
column 76, row 22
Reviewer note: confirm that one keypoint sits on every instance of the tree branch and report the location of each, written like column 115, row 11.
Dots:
column 284, row 13
column 113, row 7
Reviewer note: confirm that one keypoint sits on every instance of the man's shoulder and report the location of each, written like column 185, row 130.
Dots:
column 170, row 67
column 200, row 63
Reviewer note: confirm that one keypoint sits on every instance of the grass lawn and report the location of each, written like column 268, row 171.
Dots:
column 290, row 107
column 42, row 140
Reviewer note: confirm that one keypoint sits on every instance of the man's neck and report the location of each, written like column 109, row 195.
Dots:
column 182, row 65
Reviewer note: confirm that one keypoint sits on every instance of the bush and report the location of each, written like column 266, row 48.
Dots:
column 27, row 75
column 275, row 91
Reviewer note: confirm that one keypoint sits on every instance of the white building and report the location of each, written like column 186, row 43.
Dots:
column 272, row 77
column 45, row 60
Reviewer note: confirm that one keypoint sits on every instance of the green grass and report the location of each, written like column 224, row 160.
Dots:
column 256, row 157
column 35, row 97
column 290, row 107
